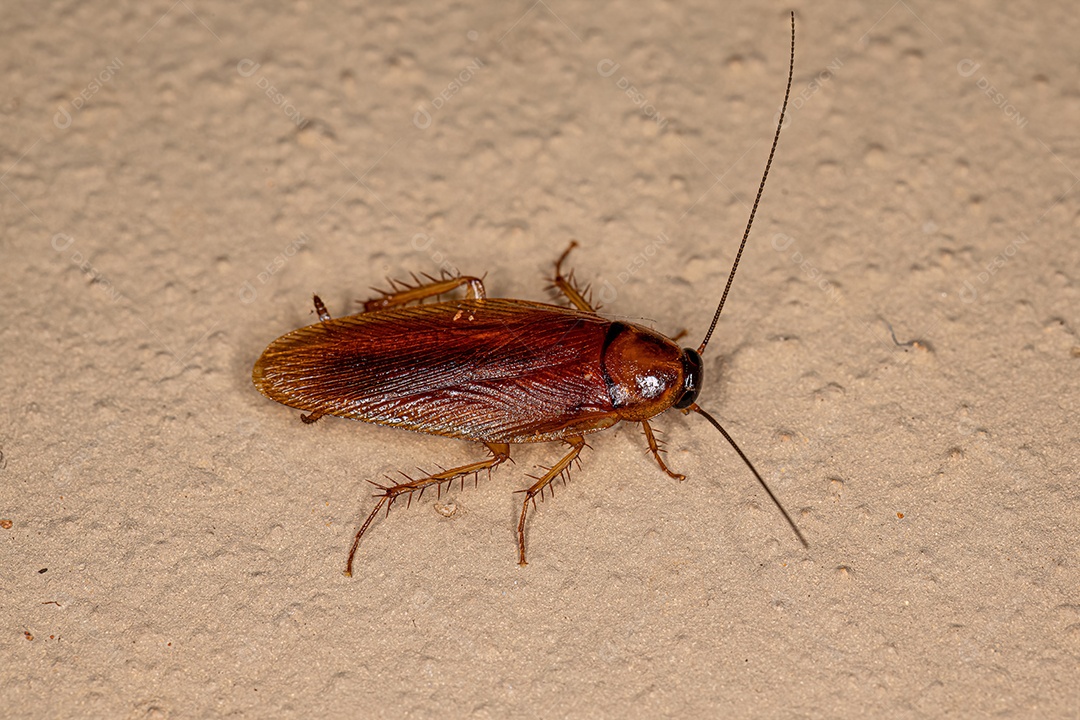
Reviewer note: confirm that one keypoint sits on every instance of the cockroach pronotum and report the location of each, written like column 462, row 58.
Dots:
column 494, row 371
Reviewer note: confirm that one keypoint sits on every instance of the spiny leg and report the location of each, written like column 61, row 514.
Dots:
column 500, row 452
column 567, row 286
column 576, row 444
column 654, row 446
column 401, row 294
column 320, row 308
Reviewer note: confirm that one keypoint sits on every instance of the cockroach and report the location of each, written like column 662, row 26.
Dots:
column 494, row 371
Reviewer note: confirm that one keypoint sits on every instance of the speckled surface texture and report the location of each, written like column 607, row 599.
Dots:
column 899, row 357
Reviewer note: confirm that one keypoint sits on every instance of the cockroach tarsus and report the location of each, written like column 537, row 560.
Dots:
column 495, row 371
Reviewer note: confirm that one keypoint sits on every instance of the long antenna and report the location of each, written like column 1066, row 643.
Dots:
column 761, row 188
column 750, row 465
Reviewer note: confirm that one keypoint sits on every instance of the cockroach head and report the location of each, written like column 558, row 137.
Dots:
column 646, row 373
column 693, row 377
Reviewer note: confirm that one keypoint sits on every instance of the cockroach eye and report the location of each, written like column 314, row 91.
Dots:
column 692, row 377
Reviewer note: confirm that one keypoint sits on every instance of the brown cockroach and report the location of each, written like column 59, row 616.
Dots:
column 494, row 371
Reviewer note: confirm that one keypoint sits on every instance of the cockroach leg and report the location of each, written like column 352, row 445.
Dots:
column 500, row 452
column 654, row 446
column 567, row 286
column 320, row 308
column 474, row 290
column 576, row 444
column 311, row 417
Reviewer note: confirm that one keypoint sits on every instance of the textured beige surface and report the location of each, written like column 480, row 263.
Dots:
column 176, row 540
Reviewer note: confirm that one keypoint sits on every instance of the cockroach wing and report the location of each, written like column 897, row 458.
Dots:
column 504, row 371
